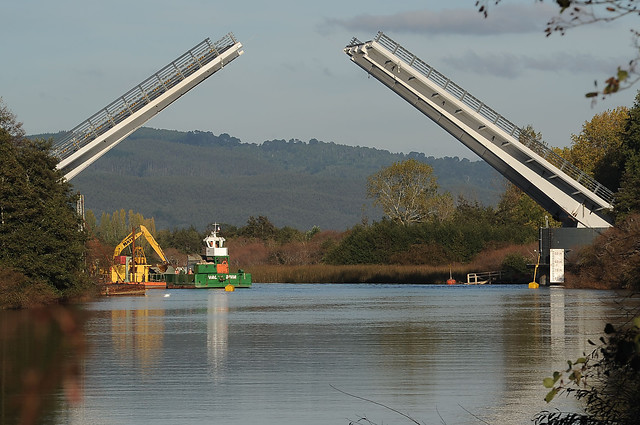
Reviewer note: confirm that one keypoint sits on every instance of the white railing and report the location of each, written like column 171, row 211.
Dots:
column 141, row 95
column 482, row 278
column 492, row 116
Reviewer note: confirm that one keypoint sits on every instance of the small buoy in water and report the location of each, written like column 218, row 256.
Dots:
column 534, row 285
column 451, row 280
column 229, row 288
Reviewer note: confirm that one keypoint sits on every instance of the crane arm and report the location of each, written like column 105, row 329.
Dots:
column 153, row 243
column 135, row 235
column 126, row 242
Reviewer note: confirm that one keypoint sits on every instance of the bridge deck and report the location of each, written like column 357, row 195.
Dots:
column 106, row 128
column 569, row 194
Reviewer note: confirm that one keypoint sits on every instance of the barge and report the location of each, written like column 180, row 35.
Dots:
column 211, row 270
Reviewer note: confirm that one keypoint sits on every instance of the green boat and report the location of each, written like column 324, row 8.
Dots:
column 211, row 270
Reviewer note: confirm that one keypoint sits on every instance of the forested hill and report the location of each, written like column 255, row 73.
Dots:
column 195, row 178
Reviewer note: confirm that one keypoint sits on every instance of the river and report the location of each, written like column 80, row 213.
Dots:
column 287, row 354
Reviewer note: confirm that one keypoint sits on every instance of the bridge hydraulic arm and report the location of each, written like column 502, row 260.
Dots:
column 570, row 195
column 102, row 131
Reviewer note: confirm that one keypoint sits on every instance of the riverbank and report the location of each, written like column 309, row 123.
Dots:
column 371, row 273
column 489, row 260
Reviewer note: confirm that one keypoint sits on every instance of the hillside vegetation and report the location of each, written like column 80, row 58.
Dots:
column 195, row 178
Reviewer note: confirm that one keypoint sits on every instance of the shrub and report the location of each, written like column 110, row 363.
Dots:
column 17, row 291
column 431, row 254
column 613, row 257
column 607, row 380
column 515, row 267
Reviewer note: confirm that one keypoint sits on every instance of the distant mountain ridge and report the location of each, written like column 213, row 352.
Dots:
column 195, row 178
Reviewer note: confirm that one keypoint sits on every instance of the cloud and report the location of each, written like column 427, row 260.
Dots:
column 511, row 66
column 505, row 19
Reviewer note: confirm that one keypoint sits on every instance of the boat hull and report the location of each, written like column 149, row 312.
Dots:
column 209, row 280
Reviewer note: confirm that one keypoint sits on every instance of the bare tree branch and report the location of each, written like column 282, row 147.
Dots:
column 378, row 404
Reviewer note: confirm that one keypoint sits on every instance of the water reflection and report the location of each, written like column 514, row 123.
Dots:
column 217, row 332
column 138, row 335
column 557, row 313
column 42, row 352
column 272, row 354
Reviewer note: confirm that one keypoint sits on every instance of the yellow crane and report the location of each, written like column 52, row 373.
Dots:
column 134, row 269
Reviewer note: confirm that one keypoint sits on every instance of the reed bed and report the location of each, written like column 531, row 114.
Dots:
column 488, row 260
column 322, row 273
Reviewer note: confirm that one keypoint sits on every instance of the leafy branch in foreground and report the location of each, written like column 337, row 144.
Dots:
column 607, row 380
column 577, row 13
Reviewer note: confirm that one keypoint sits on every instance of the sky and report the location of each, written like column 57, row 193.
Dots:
column 63, row 61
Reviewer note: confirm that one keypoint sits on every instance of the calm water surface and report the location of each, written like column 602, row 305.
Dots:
column 272, row 354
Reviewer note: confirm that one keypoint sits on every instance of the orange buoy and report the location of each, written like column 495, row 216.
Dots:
column 451, row 280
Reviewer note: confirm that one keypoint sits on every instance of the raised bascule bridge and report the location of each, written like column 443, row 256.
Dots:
column 567, row 193
column 95, row 136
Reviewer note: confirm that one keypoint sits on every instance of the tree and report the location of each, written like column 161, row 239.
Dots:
column 91, row 222
column 40, row 232
column 517, row 208
column 597, row 149
column 259, row 228
column 627, row 199
column 188, row 241
column 576, row 13
column 9, row 123
column 407, row 191
column 119, row 225
column 613, row 258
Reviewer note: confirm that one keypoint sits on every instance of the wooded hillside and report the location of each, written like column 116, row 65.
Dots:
column 195, row 178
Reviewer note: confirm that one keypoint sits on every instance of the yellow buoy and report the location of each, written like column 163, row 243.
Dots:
column 229, row 288
column 534, row 284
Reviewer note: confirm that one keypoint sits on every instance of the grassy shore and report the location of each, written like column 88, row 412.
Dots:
column 489, row 260
column 322, row 273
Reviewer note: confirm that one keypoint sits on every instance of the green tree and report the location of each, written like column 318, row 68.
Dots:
column 627, row 199
column 517, row 208
column 576, row 13
column 288, row 234
column 373, row 244
column 40, row 232
column 474, row 212
column 119, row 225
column 188, row 241
column 9, row 123
column 407, row 192
column 105, row 229
column 259, row 228
column 91, row 222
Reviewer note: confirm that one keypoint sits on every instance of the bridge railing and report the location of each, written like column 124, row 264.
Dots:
column 492, row 116
column 139, row 96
